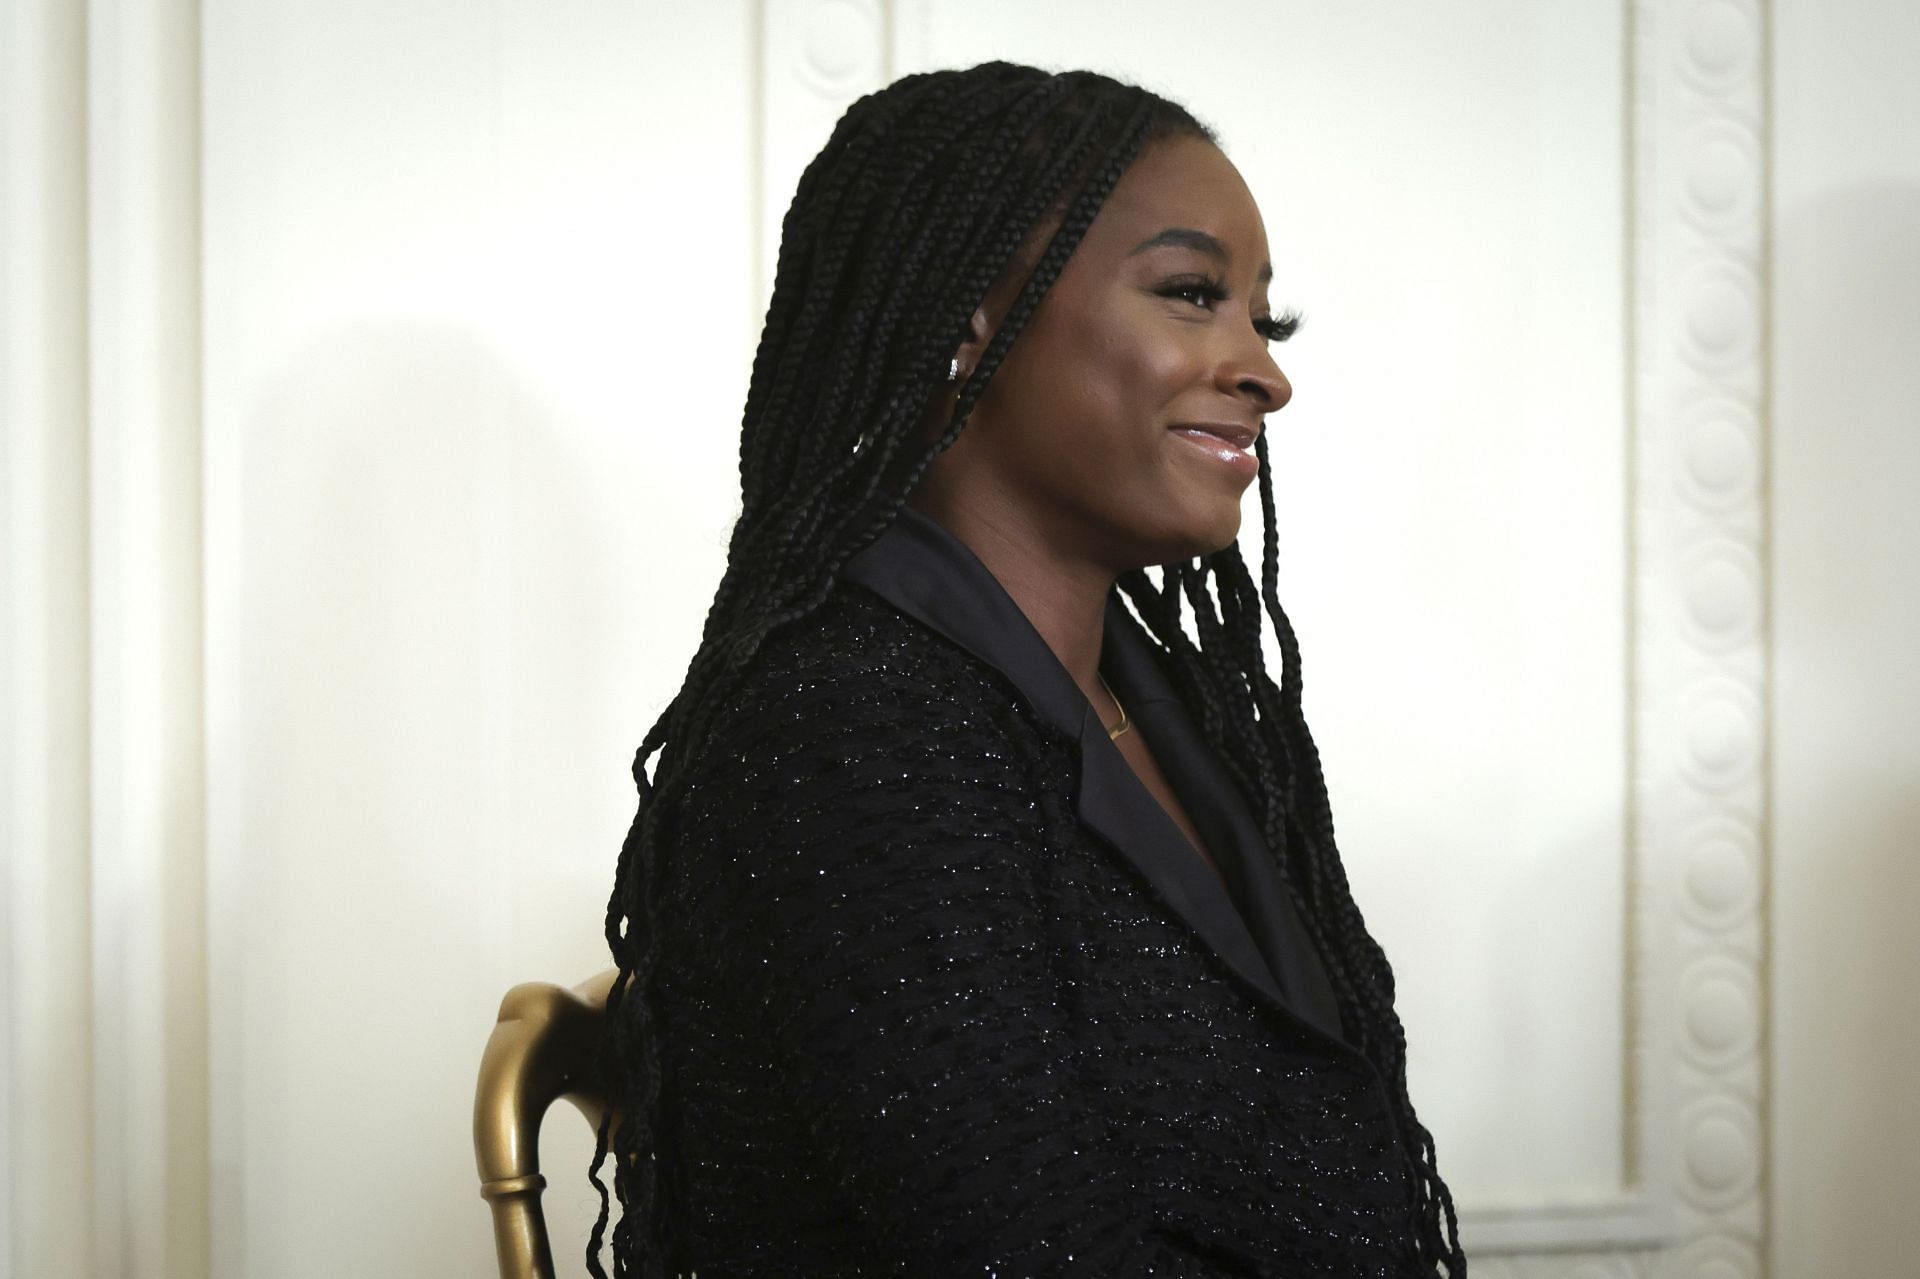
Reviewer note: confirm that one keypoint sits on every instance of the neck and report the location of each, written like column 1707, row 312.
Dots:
column 1064, row 595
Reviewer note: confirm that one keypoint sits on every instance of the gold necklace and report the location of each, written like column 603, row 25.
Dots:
column 1113, row 732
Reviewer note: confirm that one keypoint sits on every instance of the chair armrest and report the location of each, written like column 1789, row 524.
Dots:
column 543, row 1048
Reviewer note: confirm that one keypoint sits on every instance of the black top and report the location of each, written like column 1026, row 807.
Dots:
column 927, row 572
column 943, row 991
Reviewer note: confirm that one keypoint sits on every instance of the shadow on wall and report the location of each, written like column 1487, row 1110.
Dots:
column 1846, row 775
column 426, row 640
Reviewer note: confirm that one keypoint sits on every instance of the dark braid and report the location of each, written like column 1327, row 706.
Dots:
column 926, row 195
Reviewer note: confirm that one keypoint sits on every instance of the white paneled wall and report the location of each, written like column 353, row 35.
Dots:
column 372, row 377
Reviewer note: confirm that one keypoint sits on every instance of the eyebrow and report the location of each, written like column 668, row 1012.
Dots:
column 1186, row 237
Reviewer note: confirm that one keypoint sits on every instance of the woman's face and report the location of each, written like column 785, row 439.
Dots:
column 1086, row 434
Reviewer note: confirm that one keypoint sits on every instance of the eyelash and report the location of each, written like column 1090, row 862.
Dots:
column 1273, row 328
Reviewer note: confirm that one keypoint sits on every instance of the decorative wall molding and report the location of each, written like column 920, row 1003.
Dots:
column 148, row 777
column 45, row 971
column 1696, row 1001
column 1700, row 678
column 105, row 1061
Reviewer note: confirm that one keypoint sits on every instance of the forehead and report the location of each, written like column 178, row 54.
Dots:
column 1181, row 182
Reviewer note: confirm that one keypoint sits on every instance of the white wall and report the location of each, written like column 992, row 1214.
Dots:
column 478, row 313
column 372, row 381
column 1846, row 765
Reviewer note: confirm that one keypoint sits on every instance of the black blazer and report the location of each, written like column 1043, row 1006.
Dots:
column 946, row 992
column 927, row 572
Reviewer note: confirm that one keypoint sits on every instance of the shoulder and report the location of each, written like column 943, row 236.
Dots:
column 859, row 637
column 857, row 676
column 858, row 701
column 866, row 755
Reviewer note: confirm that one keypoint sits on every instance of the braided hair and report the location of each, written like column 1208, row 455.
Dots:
column 928, row 192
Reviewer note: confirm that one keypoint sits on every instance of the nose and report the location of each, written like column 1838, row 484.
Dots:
column 1251, row 374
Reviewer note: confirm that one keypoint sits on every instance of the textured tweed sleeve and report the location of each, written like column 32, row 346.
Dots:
column 868, row 991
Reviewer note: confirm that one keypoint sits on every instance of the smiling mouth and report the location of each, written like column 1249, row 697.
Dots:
column 1218, row 443
column 1234, row 433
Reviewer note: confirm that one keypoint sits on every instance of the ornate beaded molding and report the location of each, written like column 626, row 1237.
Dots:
column 1696, row 1003
column 1694, row 1206
column 1701, row 687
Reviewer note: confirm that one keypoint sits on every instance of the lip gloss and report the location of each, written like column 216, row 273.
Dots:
column 1243, row 462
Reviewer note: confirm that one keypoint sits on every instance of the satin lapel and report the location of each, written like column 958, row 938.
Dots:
column 1226, row 821
column 929, row 574
column 1116, row 806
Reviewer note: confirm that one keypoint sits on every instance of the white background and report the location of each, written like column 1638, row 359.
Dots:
column 372, row 384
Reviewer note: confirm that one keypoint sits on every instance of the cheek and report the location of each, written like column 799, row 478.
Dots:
column 1141, row 369
column 1096, row 383
column 1137, row 360
column 1163, row 363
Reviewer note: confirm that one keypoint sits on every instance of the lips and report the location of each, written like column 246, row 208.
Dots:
column 1217, row 440
column 1238, row 434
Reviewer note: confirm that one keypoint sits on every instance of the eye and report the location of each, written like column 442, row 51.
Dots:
column 1205, row 292
column 1277, row 328
column 1201, row 290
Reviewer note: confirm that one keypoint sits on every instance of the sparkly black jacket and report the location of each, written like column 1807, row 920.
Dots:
column 947, row 992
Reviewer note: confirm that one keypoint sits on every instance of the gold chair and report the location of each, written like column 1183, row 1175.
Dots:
column 542, row 1048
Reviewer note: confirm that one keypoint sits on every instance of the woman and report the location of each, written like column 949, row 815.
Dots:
column 969, row 926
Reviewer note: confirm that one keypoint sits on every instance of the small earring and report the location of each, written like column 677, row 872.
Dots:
column 953, row 369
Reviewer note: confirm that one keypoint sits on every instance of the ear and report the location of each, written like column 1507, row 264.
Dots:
column 980, row 330
column 999, row 300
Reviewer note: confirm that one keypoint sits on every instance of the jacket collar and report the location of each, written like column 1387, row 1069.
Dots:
column 929, row 574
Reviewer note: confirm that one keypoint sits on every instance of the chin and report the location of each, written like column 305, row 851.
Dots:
column 1206, row 536
column 1222, row 542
